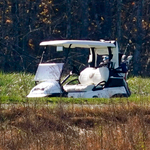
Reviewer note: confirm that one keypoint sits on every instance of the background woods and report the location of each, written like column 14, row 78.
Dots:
column 24, row 24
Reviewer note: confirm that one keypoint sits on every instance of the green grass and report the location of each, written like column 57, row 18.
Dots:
column 14, row 87
column 139, row 86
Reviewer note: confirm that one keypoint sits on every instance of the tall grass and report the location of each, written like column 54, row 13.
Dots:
column 72, row 124
column 15, row 86
column 124, row 126
column 139, row 86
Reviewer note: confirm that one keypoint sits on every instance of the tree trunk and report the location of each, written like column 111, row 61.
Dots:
column 15, row 17
column 137, row 52
column 119, row 5
column 84, row 19
column 108, row 20
column 68, row 12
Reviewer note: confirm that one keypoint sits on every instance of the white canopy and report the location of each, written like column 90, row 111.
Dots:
column 100, row 47
column 79, row 43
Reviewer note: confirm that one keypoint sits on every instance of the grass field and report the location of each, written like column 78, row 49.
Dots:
column 14, row 87
column 72, row 124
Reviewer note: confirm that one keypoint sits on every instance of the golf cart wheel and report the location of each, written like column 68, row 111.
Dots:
column 103, row 83
column 119, row 95
column 95, row 96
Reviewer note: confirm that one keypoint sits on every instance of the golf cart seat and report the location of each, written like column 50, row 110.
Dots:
column 94, row 75
column 88, row 79
column 77, row 87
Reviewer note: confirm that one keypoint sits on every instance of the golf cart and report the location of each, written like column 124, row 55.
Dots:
column 100, row 81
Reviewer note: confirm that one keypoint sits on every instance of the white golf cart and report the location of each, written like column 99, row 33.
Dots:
column 104, row 81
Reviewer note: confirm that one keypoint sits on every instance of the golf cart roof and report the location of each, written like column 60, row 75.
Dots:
column 109, row 48
column 80, row 43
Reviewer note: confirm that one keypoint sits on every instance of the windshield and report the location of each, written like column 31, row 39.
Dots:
column 48, row 71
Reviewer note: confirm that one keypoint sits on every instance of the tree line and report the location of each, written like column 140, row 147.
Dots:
column 24, row 24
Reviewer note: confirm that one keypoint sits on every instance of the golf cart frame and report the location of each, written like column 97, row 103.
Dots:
column 94, row 81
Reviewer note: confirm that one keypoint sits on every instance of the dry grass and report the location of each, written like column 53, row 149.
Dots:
column 124, row 126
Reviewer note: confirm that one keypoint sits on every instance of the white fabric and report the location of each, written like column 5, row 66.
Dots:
column 94, row 76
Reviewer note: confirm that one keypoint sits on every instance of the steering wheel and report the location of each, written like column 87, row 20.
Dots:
column 75, row 70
